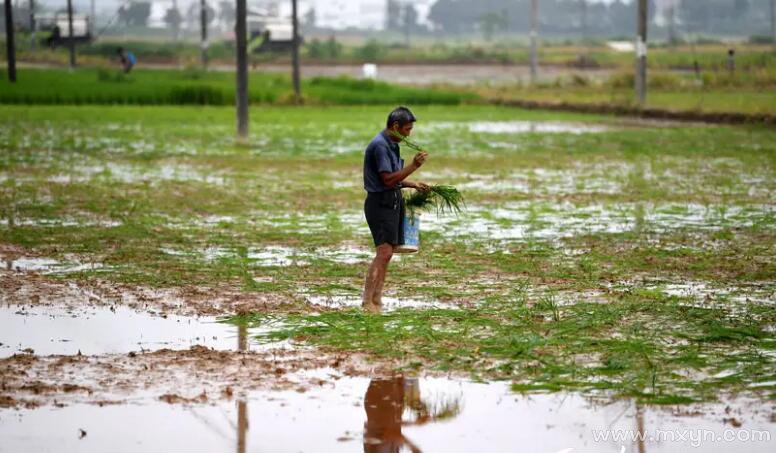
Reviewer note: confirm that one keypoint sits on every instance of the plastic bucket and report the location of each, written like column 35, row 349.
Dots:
column 411, row 233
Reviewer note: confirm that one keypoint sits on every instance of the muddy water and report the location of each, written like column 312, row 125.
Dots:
column 106, row 330
column 389, row 414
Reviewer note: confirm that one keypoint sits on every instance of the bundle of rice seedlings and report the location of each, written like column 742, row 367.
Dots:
column 406, row 141
column 440, row 198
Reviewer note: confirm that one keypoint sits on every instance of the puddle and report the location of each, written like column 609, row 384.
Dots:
column 607, row 179
column 128, row 173
column 526, row 220
column 46, row 265
column 520, row 127
column 107, row 330
column 707, row 294
column 66, row 221
column 391, row 414
column 281, row 255
column 389, row 303
column 297, row 223
column 277, row 255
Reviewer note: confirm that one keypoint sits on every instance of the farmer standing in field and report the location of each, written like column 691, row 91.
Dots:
column 384, row 177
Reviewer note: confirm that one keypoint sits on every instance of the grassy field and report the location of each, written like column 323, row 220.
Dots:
column 744, row 92
column 389, row 50
column 725, row 100
column 195, row 86
column 595, row 254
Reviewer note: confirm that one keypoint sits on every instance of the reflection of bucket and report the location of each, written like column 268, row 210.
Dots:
column 411, row 229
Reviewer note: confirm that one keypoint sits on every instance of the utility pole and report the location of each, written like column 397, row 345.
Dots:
column 92, row 18
column 203, row 27
column 773, row 21
column 641, row 54
column 534, row 38
column 32, row 24
column 241, row 35
column 585, row 43
column 295, row 53
column 70, row 34
column 10, row 48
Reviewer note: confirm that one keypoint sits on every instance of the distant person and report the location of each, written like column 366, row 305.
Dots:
column 127, row 59
column 731, row 61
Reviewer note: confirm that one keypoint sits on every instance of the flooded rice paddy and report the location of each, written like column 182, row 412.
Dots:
column 610, row 285
column 383, row 413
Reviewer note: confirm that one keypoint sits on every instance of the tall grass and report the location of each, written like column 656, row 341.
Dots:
column 194, row 87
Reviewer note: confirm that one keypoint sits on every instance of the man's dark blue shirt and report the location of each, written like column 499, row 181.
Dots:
column 381, row 155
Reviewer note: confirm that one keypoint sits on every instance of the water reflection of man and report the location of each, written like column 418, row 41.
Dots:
column 384, row 405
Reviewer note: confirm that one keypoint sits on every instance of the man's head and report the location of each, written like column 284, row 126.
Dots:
column 120, row 50
column 400, row 120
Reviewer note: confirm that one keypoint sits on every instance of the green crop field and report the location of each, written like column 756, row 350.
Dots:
column 195, row 86
column 595, row 254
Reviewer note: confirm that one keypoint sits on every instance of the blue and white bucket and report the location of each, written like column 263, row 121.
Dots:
column 411, row 229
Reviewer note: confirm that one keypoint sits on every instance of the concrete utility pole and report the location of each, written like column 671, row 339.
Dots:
column 641, row 54
column 584, row 57
column 10, row 48
column 203, row 27
column 241, row 35
column 295, row 53
column 773, row 21
column 70, row 34
column 31, row 4
column 534, row 38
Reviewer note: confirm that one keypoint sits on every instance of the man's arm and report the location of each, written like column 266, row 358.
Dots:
column 421, row 186
column 391, row 179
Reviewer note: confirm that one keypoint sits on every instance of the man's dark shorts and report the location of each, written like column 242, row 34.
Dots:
column 384, row 213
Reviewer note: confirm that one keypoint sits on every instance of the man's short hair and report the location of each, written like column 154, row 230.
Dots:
column 401, row 114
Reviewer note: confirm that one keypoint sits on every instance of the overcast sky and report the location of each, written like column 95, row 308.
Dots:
column 330, row 13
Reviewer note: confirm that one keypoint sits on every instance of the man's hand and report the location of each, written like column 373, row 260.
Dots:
column 422, row 187
column 419, row 158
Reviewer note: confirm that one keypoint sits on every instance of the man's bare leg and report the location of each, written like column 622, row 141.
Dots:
column 375, row 277
column 377, row 297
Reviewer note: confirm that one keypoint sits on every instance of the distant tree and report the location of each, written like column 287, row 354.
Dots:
column 210, row 14
column 370, row 51
column 492, row 23
column 324, row 49
column 310, row 19
column 137, row 14
column 409, row 19
column 123, row 14
column 333, row 48
column 173, row 18
column 454, row 16
column 392, row 15
column 227, row 14
column 741, row 7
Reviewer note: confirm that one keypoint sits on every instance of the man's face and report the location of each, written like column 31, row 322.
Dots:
column 405, row 130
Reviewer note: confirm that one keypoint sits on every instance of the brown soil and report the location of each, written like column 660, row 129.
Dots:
column 651, row 113
column 195, row 375
column 32, row 288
